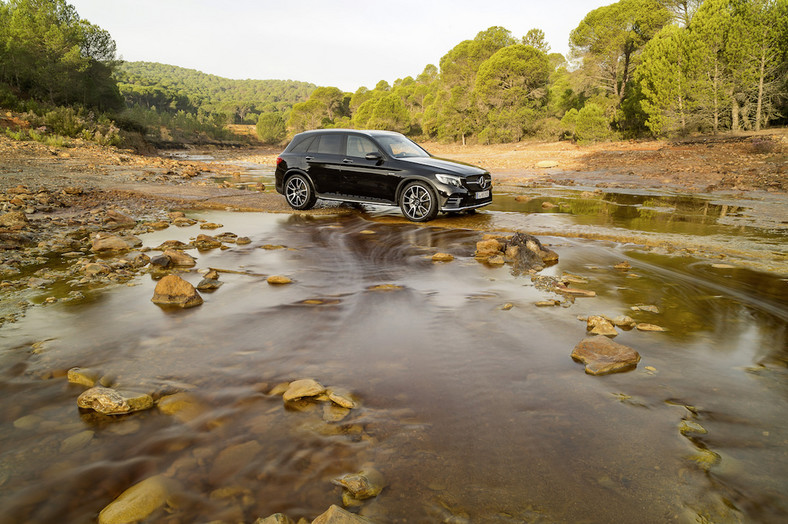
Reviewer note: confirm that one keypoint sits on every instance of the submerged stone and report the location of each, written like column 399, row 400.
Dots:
column 139, row 501
column 109, row 401
column 603, row 356
column 337, row 515
column 649, row 327
column 365, row 484
column 599, row 325
column 83, row 377
column 306, row 387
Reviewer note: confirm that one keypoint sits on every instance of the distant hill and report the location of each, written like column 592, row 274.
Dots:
column 172, row 89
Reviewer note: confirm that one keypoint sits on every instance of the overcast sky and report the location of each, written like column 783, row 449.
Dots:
column 342, row 43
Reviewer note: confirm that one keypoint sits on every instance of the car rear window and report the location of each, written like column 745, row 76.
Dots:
column 302, row 145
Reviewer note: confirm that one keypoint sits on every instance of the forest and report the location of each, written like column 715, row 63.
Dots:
column 637, row 68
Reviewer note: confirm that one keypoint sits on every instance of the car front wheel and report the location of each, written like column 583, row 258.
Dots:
column 299, row 192
column 418, row 202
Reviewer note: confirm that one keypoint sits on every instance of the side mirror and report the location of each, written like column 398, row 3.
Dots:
column 374, row 156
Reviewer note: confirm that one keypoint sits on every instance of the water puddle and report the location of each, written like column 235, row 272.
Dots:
column 468, row 401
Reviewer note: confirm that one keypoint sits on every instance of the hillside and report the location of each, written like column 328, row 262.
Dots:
column 171, row 88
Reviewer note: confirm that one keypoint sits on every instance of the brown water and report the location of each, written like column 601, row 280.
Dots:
column 471, row 412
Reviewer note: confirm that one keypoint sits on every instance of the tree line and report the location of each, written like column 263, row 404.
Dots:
column 636, row 68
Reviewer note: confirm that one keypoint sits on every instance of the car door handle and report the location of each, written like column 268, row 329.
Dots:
column 347, row 161
column 307, row 158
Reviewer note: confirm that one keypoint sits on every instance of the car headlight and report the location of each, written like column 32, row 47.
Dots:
column 449, row 180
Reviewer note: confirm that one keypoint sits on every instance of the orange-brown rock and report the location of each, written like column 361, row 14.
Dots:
column 603, row 356
column 172, row 290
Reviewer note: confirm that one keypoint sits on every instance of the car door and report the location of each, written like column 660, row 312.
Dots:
column 324, row 157
column 366, row 176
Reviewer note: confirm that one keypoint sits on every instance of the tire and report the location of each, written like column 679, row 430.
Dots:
column 299, row 193
column 418, row 202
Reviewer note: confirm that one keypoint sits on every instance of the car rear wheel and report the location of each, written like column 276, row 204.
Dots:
column 418, row 202
column 299, row 192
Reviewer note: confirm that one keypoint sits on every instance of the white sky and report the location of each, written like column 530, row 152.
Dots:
column 342, row 43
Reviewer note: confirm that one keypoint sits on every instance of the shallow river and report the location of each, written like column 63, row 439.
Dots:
column 471, row 411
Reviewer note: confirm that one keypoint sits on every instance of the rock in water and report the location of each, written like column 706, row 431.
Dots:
column 488, row 248
column 306, row 387
column 179, row 258
column 111, row 402
column 139, row 501
column 599, row 325
column 276, row 518
column 365, row 484
column 528, row 253
column 603, row 356
column 105, row 242
column 337, row 515
column 172, row 290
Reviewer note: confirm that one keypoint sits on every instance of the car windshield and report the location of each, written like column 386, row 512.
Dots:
column 401, row 147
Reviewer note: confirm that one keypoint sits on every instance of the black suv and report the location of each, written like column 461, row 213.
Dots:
column 377, row 167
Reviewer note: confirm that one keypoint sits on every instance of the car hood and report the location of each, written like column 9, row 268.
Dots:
column 441, row 165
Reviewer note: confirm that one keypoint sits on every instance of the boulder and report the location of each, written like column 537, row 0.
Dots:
column 599, row 325
column 337, row 515
column 139, row 501
column 603, row 356
column 365, row 484
column 488, row 248
column 306, row 387
column 206, row 242
column 527, row 252
column 107, row 242
column 242, row 241
column 108, row 401
column 117, row 220
column 13, row 220
column 179, row 258
column 172, row 290
column 160, row 262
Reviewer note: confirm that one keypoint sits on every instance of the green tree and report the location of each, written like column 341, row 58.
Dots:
column 535, row 38
column 514, row 76
column 610, row 38
column 271, row 128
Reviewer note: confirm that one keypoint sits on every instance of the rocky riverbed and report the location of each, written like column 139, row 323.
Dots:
column 170, row 357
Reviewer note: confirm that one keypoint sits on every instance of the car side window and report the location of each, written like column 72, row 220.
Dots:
column 303, row 145
column 330, row 145
column 358, row 146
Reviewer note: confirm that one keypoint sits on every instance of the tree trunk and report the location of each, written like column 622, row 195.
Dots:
column 734, row 114
column 759, row 105
column 716, row 124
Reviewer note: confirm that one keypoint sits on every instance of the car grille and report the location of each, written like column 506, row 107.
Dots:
column 473, row 182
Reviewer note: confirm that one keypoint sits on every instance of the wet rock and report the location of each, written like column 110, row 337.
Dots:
column 172, row 290
column 306, row 387
column 206, row 242
column 599, row 325
column 575, row 292
column 648, row 308
column 139, row 260
column 276, row 518
column 363, row 485
column 623, row 266
column 117, row 220
column 496, row 260
column 442, row 257
column 278, row 280
column 546, row 164
column 28, row 422
column 242, row 241
column 522, row 198
column 624, row 322
column 341, row 397
column 83, row 376
column 233, row 459
column 506, row 307
column 158, row 225
column 649, row 327
column 337, row 515
column 109, row 401
column 179, row 258
column 92, row 269
column 527, row 252
column 488, row 248
column 14, row 220
column 172, row 244
column 106, row 242
column 688, row 427
column 212, row 274
column 385, row 287
column 139, row 501
column 184, row 222
column 209, row 284
column 76, row 442
column 15, row 239
column 183, row 406
column 603, row 356
column 547, row 303
column 160, row 262
column 334, row 413
column 548, row 205
column 210, row 225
